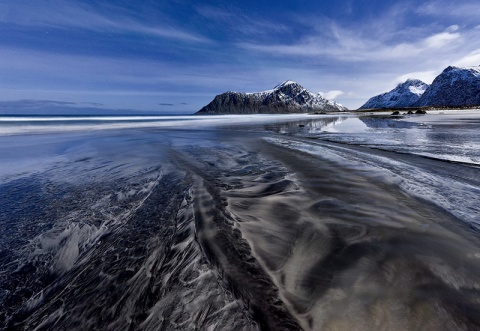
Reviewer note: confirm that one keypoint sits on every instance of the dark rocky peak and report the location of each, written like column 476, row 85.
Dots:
column 454, row 87
column 450, row 68
column 413, row 82
column 460, row 73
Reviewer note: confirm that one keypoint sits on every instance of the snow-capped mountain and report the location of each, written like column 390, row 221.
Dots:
column 287, row 97
column 454, row 87
column 404, row 95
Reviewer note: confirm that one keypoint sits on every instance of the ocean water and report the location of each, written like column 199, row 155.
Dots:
column 301, row 222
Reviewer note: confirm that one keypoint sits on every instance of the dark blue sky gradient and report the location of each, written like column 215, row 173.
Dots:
column 154, row 54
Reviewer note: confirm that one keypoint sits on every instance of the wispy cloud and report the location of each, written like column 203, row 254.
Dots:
column 471, row 59
column 349, row 46
column 457, row 9
column 96, row 104
column 73, row 14
column 235, row 19
column 32, row 103
column 425, row 76
column 55, row 107
column 57, row 69
column 331, row 95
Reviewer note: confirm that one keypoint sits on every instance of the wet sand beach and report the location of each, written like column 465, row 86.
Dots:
column 322, row 223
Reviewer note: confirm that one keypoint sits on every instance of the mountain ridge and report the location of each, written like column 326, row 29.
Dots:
column 285, row 98
column 403, row 95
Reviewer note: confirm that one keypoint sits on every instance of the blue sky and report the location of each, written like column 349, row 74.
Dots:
column 175, row 56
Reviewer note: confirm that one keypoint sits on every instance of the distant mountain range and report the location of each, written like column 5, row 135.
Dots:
column 285, row 98
column 454, row 87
